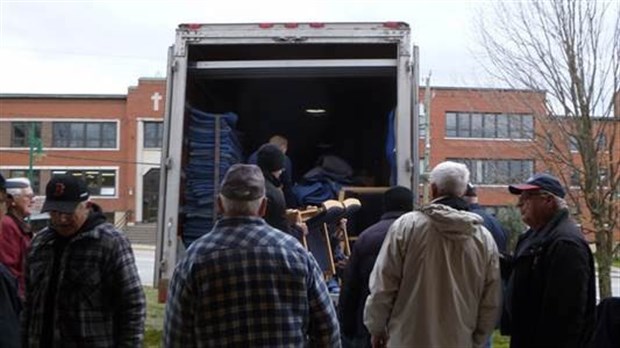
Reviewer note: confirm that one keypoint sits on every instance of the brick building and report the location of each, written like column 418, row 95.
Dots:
column 503, row 137
column 114, row 141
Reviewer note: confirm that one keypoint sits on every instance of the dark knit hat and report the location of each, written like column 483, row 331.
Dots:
column 270, row 158
column 398, row 198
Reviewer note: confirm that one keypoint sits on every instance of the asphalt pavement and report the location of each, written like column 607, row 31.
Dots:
column 145, row 260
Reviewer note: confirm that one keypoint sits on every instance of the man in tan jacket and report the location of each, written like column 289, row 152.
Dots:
column 436, row 282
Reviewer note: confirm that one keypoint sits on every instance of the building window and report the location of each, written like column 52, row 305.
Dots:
column 23, row 173
column 153, row 134
column 451, row 124
column 601, row 142
column 84, row 134
column 575, row 178
column 20, row 132
column 99, row 182
column 573, row 143
column 477, row 125
column 490, row 126
column 497, row 172
column 422, row 120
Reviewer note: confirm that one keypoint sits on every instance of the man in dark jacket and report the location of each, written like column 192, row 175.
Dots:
column 271, row 162
column 286, row 178
column 551, row 290
column 396, row 201
column 270, row 159
column 490, row 222
column 82, row 284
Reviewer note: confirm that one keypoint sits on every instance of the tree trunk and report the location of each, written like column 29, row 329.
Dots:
column 604, row 259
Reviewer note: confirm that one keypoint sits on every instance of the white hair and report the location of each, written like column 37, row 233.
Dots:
column 560, row 202
column 450, row 178
column 19, row 191
column 245, row 208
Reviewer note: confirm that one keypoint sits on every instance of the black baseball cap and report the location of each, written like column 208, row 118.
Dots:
column 243, row 182
column 540, row 181
column 63, row 193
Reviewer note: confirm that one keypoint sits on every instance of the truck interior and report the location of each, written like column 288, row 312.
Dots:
column 340, row 111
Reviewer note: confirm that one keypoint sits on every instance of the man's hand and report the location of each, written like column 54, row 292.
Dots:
column 303, row 227
column 379, row 341
column 341, row 228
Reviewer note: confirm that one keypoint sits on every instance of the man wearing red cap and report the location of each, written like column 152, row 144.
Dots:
column 551, row 295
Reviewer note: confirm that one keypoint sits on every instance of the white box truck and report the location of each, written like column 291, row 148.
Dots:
column 348, row 89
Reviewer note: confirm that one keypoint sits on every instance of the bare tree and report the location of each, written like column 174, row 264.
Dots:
column 571, row 50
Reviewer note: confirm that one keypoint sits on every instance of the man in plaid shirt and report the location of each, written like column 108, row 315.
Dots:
column 245, row 283
column 82, row 284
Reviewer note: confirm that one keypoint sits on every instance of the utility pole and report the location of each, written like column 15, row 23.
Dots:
column 35, row 149
column 427, row 138
column 31, row 151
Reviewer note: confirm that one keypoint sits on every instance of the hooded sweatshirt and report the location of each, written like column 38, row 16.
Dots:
column 436, row 282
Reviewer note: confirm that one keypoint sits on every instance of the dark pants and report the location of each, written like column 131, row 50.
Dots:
column 10, row 306
column 359, row 341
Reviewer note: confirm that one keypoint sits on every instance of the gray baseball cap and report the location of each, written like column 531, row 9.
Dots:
column 243, row 182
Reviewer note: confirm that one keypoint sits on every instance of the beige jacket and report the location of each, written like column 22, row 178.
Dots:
column 436, row 281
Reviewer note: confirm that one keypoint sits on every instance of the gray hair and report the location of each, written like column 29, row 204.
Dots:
column 24, row 184
column 450, row 178
column 560, row 202
column 244, row 208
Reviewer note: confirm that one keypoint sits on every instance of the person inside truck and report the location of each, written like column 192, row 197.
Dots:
column 247, row 284
column 271, row 161
column 287, row 174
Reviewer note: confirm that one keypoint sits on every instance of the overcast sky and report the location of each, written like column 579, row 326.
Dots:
column 105, row 46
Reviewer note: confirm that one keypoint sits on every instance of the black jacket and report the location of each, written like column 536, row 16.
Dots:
column 275, row 215
column 10, row 307
column 355, row 283
column 491, row 223
column 551, row 290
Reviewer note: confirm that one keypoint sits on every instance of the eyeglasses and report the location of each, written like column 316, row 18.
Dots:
column 528, row 195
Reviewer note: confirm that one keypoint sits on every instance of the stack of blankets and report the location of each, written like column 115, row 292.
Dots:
column 212, row 147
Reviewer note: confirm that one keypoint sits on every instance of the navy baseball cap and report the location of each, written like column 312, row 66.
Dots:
column 63, row 193
column 540, row 181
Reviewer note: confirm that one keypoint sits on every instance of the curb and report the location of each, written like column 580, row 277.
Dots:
column 145, row 247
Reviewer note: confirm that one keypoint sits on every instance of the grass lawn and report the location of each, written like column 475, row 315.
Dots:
column 155, row 323
column 500, row 341
column 154, row 319
column 616, row 263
